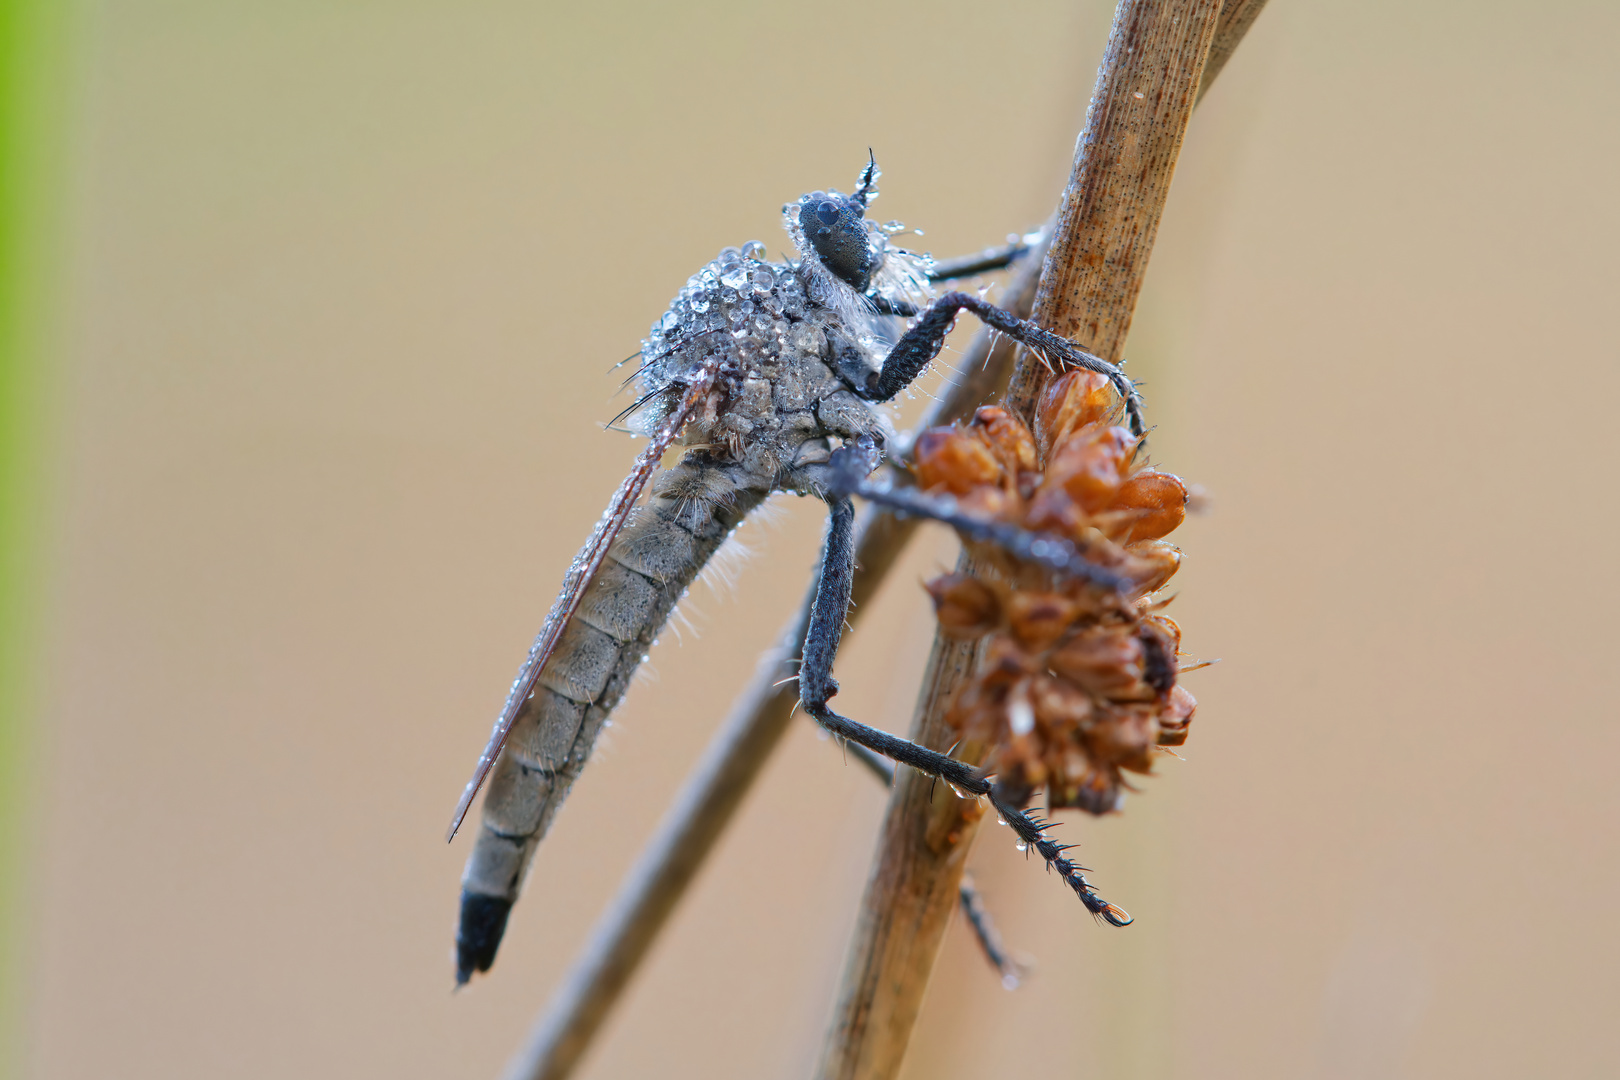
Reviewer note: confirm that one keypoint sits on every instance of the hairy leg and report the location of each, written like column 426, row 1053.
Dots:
column 919, row 345
column 817, row 687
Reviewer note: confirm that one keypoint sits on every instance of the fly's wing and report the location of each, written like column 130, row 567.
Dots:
column 580, row 573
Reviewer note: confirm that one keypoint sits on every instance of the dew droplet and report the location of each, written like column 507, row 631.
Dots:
column 1020, row 713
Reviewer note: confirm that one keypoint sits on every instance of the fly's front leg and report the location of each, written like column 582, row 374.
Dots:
column 919, row 345
column 817, row 686
column 987, row 261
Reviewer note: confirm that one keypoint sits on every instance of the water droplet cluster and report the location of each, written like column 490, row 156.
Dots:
column 742, row 307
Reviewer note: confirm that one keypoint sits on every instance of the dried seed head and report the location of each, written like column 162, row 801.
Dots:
column 1076, row 684
column 1060, row 706
column 1072, row 401
column 1037, row 619
column 1091, row 465
column 951, row 460
column 1169, row 627
column 1095, row 790
column 965, row 606
column 1149, row 505
column 1104, row 661
column 1126, row 738
column 1007, row 438
column 1176, row 715
column 1151, row 564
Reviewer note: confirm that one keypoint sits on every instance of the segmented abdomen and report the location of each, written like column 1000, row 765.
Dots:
column 648, row 568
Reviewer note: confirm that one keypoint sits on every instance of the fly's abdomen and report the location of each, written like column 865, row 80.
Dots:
column 649, row 567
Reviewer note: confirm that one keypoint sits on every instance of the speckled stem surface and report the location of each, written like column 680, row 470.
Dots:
column 1109, row 215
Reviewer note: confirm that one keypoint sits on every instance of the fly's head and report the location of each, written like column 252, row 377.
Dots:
column 849, row 256
column 831, row 232
column 835, row 231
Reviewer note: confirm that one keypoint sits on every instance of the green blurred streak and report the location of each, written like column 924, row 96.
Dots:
column 34, row 61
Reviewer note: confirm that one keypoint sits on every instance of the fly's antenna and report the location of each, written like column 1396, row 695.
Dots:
column 866, row 187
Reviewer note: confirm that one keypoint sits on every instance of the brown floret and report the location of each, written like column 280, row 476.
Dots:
column 1076, row 685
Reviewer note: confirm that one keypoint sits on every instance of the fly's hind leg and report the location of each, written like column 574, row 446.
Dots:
column 817, row 687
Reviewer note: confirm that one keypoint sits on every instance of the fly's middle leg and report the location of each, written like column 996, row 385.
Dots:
column 816, row 684
column 817, row 687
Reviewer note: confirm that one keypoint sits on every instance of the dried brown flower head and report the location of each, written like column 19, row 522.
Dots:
column 1077, row 683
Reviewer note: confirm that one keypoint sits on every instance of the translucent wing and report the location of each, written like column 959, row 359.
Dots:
column 580, row 573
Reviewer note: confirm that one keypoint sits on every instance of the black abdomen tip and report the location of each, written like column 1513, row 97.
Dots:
column 483, row 921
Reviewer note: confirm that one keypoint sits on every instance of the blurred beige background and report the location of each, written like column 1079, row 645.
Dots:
column 348, row 280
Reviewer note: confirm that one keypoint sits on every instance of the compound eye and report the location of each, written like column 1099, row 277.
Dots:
column 836, row 229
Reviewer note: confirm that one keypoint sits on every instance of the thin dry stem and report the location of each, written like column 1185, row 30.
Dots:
column 1236, row 18
column 1094, row 268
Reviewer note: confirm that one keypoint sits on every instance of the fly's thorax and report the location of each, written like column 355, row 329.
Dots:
column 779, row 352
column 739, row 307
column 827, row 225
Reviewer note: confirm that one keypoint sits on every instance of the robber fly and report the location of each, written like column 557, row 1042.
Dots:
column 768, row 376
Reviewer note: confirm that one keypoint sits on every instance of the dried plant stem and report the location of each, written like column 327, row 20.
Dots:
column 1093, row 272
column 1110, row 212
column 1236, row 18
